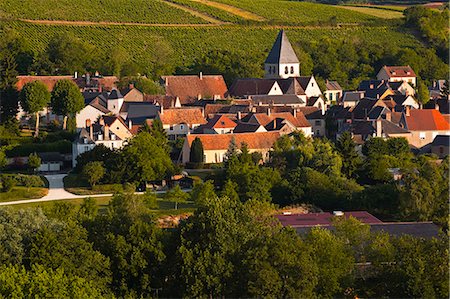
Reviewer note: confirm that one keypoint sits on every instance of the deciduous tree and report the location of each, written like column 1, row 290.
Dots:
column 66, row 99
column 34, row 97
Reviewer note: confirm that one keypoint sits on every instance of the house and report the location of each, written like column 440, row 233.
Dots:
column 316, row 119
column 215, row 146
column 96, row 106
column 132, row 94
column 136, row 113
column 442, row 105
column 289, row 100
column 441, row 146
column 248, row 128
column 380, row 89
column 97, row 134
column 333, row 92
column 398, row 73
column 398, row 102
column 282, row 62
column 285, row 122
column 436, row 89
column 178, row 122
column 303, row 223
column 351, row 98
column 116, row 125
column 51, row 162
column 219, row 124
column 424, row 125
column 164, row 101
column 191, row 88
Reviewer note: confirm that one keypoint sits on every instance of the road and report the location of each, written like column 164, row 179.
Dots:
column 56, row 191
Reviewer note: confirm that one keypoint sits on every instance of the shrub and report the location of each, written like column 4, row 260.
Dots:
column 24, row 180
column 62, row 146
column 113, row 188
column 7, row 183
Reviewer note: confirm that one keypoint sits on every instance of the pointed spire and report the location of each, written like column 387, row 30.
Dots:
column 282, row 51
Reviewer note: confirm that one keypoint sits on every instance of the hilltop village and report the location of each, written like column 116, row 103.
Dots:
column 215, row 175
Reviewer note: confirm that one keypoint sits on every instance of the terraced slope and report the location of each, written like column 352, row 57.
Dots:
column 136, row 11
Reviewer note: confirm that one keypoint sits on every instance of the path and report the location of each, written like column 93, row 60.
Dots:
column 56, row 191
column 233, row 10
column 194, row 12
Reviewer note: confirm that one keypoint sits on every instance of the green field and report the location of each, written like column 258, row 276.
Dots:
column 19, row 193
column 136, row 11
column 378, row 11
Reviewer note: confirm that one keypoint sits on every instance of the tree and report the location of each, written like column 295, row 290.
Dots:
column 176, row 195
column 196, row 154
column 145, row 160
column 93, row 172
column 8, row 92
column 66, row 99
column 202, row 193
column 423, row 94
column 350, row 158
column 34, row 97
column 375, row 146
column 34, row 161
column 88, row 209
column 3, row 160
column 157, row 130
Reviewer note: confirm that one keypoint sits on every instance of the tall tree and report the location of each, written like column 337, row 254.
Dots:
column 9, row 99
column 196, row 154
column 66, row 99
column 350, row 158
column 423, row 94
column 34, row 161
column 176, row 195
column 34, row 97
column 93, row 172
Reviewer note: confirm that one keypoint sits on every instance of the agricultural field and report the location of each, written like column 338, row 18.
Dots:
column 188, row 43
column 376, row 11
column 209, row 10
column 136, row 11
column 299, row 13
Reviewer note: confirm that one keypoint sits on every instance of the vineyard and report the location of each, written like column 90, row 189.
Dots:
column 376, row 11
column 189, row 43
column 211, row 11
column 137, row 11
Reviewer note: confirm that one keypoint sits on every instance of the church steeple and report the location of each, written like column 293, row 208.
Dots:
column 282, row 61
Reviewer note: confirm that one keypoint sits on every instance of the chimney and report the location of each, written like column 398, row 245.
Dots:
column 295, row 113
column 167, row 81
column 268, row 112
column 407, row 111
column 101, row 121
column 88, row 79
column 239, row 115
column 91, row 132
column 130, row 124
column 131, row 85
column 436, row 106
column 100, row 88
column 96, row 74
column 106, row 129
column 161, row 109
column 378, row 127
column 201, row 75
column 75, row 75
column 88, row 123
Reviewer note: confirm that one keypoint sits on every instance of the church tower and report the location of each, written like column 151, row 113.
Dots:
column 282, row 61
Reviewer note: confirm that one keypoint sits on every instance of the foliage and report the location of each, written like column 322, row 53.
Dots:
column 423, row 94
column 350, row 158
column 93, row 172
column 25, row 149
column 34, row 161
column 7, row 183
column 33, row 97
column 143, row 84
column 176, row 195
column 196, row 154
column 66, row 98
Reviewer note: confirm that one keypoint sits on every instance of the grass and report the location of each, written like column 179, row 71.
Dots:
column 20, row 193
column 136, row 11
column 378, row 12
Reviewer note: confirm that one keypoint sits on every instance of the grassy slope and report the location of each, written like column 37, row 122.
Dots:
column 138, row 11
column 375, row 11
column 19, row 193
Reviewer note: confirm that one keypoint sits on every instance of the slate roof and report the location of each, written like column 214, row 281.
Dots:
column 282, row 51
column 264, row 119
column 311, row 112
column 441, row 140
column 188, row 87
column 182, row 115
column 251, row 86
column 364, row 107
column 246, row 128
column 400, row 71
column 352, row 96
column 138, row 112
column 115, row 94
column 390, row 128
column 286, row 99
column 373, row 88
column 263, row 140
column 426, row 120
column 443, row 105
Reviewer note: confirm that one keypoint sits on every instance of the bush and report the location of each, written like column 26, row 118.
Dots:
column 7, row 183
column 194, row 165
column 24, row 180
column 113, row 188
column 22, row 150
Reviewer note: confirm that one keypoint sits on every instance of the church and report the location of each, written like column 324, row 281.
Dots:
column 282, row 84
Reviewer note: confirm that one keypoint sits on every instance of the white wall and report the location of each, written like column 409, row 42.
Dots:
column 86, row 113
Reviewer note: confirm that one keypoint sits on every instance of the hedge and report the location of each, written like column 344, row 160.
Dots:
column 24, row 180
column 23, row 150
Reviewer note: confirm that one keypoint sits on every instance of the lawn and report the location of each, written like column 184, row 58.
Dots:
column 20, row 193
column 76, row 184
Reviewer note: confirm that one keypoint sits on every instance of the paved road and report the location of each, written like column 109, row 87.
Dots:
column 56, row 192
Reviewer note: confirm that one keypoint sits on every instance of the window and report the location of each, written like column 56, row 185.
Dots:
column 317, row 122
column 422, row 135
column 286, row 71
column 181, row 127
column 312, row 84
column 171, row 128
column 222, row 131
column 441, row 150
column 86, row 148
column 317, row 132
column 292, row 69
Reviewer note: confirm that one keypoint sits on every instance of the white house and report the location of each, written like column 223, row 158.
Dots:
column 178, row 122
column 398, row 73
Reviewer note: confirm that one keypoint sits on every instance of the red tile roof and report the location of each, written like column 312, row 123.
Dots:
column 299, row 121
column 222, row 141
column 48, row 81
column 188, row 88
column 182, row 116
column 313, row 219
column 220, row 122
column 426, row 120
column 400, row 71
